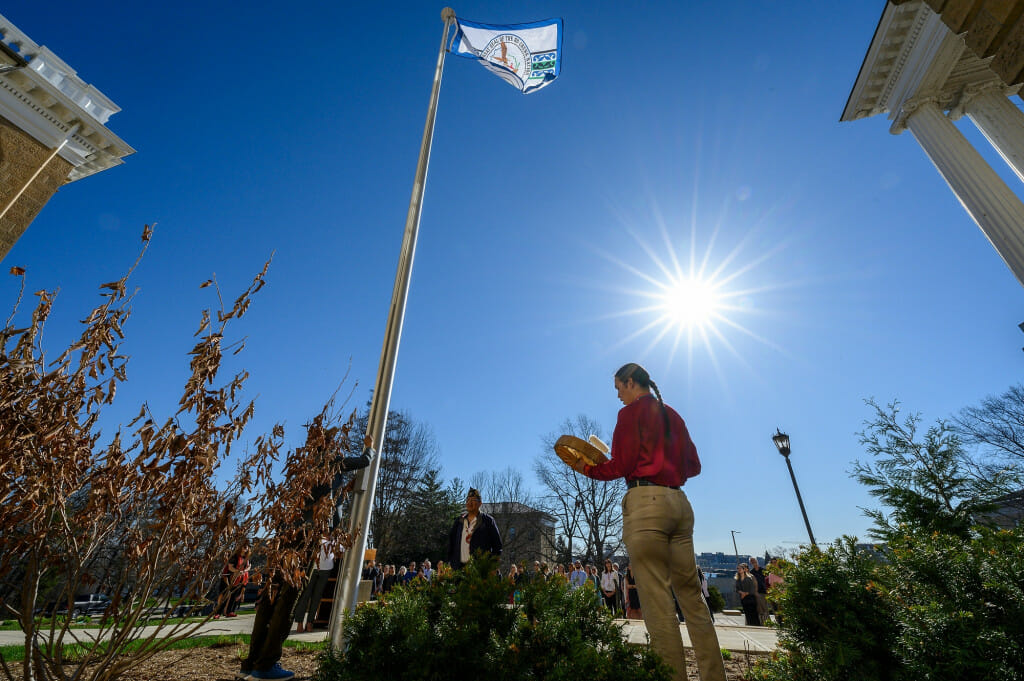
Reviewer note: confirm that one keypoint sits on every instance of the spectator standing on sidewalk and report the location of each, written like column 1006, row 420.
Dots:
column 703, row 579
column 757, row 572
column 746, row 587
column 389, row 578
column 609, row 585
column 577, row 577
column 370, row 574
column 595, row 579
column 233, row 578
column 633, row 610
column 309, row 601
column 620, row 592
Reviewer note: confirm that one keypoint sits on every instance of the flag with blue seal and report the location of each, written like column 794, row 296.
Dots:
column 526, row 56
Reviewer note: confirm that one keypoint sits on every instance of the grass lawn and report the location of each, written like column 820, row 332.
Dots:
column 75, row 650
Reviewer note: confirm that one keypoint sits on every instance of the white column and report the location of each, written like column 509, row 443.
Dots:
column 984, row 195
column 1001, row 122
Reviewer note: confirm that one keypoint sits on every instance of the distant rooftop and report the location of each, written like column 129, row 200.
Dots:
column 513, row 508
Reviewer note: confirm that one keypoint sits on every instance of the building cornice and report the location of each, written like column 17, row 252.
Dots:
column 47, row 100
column 884, row 62
column 914, row 56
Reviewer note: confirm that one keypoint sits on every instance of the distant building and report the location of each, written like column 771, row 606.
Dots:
column 878, row 551
column 724, row 562
column 52, row 130
column 527, row 533
column 720, row 569
column 1008, row 512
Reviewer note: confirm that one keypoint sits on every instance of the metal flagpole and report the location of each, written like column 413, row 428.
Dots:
column 346, row 594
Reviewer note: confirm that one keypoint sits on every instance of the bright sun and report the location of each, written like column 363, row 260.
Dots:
column 691, row 302
column 697, row 300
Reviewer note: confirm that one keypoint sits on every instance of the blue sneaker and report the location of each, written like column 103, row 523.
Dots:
column 276, row 672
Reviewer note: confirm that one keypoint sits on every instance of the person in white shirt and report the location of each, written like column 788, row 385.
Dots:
column 473, row 531
column 309, row 601
column 609, row 585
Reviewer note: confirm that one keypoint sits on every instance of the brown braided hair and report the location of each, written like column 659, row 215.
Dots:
column 643, row 379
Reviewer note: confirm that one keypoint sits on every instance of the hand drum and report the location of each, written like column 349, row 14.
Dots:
column 570, row 448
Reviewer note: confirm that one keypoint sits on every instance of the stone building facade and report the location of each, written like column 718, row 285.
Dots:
column 20, row 158
column 527, row 534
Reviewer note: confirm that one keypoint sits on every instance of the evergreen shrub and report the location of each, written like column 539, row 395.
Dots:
column 940, row 607
column 963, row 604
column 715, row 599
column 837, row 624
column 462, row 623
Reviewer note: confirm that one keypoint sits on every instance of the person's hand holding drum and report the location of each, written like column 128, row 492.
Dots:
column 577, row 453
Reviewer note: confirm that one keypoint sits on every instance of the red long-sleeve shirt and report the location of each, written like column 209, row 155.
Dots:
column 640, row 449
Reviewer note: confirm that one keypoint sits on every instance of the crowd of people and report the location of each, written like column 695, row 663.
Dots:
column 385, row 577
column 754, row 584
column 615, row 588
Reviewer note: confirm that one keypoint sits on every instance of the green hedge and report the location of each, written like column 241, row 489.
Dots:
column 463, row 623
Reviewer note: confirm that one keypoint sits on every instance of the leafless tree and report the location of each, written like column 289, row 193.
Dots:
column 590, row 509
column 997, row 426
column 504, row 485
column 409, row 451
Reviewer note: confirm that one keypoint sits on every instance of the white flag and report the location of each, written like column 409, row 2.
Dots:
column 526, row 56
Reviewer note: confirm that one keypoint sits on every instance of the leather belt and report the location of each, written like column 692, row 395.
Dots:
column 647, row 483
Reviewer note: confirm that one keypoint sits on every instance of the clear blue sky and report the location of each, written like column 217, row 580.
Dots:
column 294, row 128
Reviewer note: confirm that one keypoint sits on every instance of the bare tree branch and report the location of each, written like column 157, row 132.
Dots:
column 588, row 509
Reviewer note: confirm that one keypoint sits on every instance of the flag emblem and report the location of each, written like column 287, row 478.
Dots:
column 526, row 56
column 510, row 51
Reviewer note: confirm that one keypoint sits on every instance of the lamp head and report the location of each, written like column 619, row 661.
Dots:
column 781, row 441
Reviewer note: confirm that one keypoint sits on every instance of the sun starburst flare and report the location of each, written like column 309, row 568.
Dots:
column 701, row 302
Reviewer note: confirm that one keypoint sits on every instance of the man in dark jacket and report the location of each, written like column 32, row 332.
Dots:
column 471, row 532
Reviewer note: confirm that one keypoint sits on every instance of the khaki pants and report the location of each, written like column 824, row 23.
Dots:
column 657, row 526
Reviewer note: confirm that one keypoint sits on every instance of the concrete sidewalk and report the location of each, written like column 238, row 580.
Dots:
column 732, row 633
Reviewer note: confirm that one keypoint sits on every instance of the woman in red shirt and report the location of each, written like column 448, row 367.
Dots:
column 652, row 450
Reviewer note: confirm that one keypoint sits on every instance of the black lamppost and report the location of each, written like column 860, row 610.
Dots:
column 734, row 550
column 781, row 441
